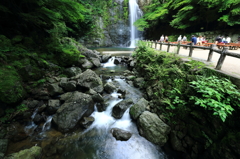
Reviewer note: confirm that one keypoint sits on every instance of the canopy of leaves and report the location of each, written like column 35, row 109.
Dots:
column 197, row 14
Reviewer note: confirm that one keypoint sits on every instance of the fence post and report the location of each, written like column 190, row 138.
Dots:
column 168, row 48
column 161, row 45
column 178, row 47
column 221, row 59
column 190, row 50
column 210, row 52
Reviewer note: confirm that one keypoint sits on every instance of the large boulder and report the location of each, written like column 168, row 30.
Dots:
column 105, row 58
column 72, row 71
column 76, row 106
column 53, row 105
column 153, row 128
column 109, row 87
column 96, row 61
column 89, row 79
column 54, row 89
column 86, row 63
column 32, row 153
column 137, row 109
column 120, row 134
column 121, row 107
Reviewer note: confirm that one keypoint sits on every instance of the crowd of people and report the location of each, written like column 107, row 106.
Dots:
column 163, row 38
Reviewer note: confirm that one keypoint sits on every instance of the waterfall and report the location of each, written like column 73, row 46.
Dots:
column 47, row 124
column 29, row 129
column 135, row 13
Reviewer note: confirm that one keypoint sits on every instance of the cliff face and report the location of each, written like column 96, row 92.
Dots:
column 143, row 3
column 111, row 26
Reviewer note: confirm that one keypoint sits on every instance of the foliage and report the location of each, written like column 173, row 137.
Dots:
column 182, row 14
column 217, row 95
column 11, row 112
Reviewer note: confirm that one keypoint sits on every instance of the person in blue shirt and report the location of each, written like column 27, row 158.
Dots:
column 194, row 40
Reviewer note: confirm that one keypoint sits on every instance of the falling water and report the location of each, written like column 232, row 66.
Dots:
column 29, row 129
column 47, row 124
column 135, row 13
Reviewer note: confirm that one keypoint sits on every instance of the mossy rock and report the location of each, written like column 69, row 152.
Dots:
column 32, row 153
column 11, row 89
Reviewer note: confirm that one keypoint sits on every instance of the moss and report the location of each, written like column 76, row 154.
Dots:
column 11, row 89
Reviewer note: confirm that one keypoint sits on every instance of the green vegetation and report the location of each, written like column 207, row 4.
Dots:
column 197, row 15
column 181, row 86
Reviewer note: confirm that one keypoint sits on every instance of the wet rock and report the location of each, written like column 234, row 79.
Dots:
column 121, row 134
column 122, row 92
column 87, row 121
column 89, row 79
column 32, row 153
column 153, row 128
column 54, row 89
column 121, row 107
column 3, row 145
column 117, row 61
column 31, row 103
column 105, row 58
column 72, row 71
column 137, row 109
column 109, row 87
column 101, row 107
column 76, row 106
column 96, row 96
column 38, row 119
column 53, row 106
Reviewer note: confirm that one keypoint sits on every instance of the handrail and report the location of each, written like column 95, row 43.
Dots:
column 224, row 52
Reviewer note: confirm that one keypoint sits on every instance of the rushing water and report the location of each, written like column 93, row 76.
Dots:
column 97, row 141
column 135, row 14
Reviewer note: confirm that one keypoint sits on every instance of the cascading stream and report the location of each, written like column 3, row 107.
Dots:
column 135, row 14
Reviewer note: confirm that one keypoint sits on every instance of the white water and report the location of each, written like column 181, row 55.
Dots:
column 135, row 13
column 29, row 129
column 47, row 124
column 110, row 63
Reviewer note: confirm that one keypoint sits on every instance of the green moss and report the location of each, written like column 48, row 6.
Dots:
column 11, row 89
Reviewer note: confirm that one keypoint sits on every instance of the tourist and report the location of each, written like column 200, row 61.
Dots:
column 239, row 39
column 199, row 41
column 218, row 39
column 184, row 38
column 228, row 40
column 166, row 38
column 179, row 38
column 224, row 40
column 204, row 40
column 194, row 40
column 161, row 39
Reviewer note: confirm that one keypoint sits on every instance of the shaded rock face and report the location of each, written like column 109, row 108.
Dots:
column 121, row 107
column 121, row 134
column 76, row 106
column 153, row 128
column 137, row 109
column 32, row 153
column 72, row 71
column 89, row 79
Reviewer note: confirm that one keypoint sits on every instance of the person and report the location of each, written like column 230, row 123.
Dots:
column 161, row 38
column 184, row 38
column 194, row 40
column 224, row 40
column 228, row 40
column 204, row 40
column 218, row 39
column 166, row 38
column 179, row 38
column 199, row 41
column 239, row 39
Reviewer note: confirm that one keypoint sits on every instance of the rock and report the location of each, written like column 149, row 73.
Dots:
column 121, row 134
column 86, row 63
column 96, row 96
column 101, row 107
column 117, row 61
column 153, row 128
column 105, row 58
column 3, row 145
column 96, row 62
column 90, row 53
column 89, row 79
column 87, row 121
column 54, row 89
column 69, row 86
column 32, row 153
column 176, row 142
column 72, row 71
column 53, row 105
column 137, row 109
column 109, row 87
column 31, row 103
column 75, row 107
column 121, row 107
column 138, row 82
column 38, row 119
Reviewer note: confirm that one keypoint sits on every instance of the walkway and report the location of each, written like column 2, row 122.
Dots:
column 230, row 66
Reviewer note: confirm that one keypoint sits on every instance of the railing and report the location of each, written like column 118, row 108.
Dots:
column 223, row 53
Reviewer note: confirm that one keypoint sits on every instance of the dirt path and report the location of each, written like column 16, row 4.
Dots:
column 230, row 66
